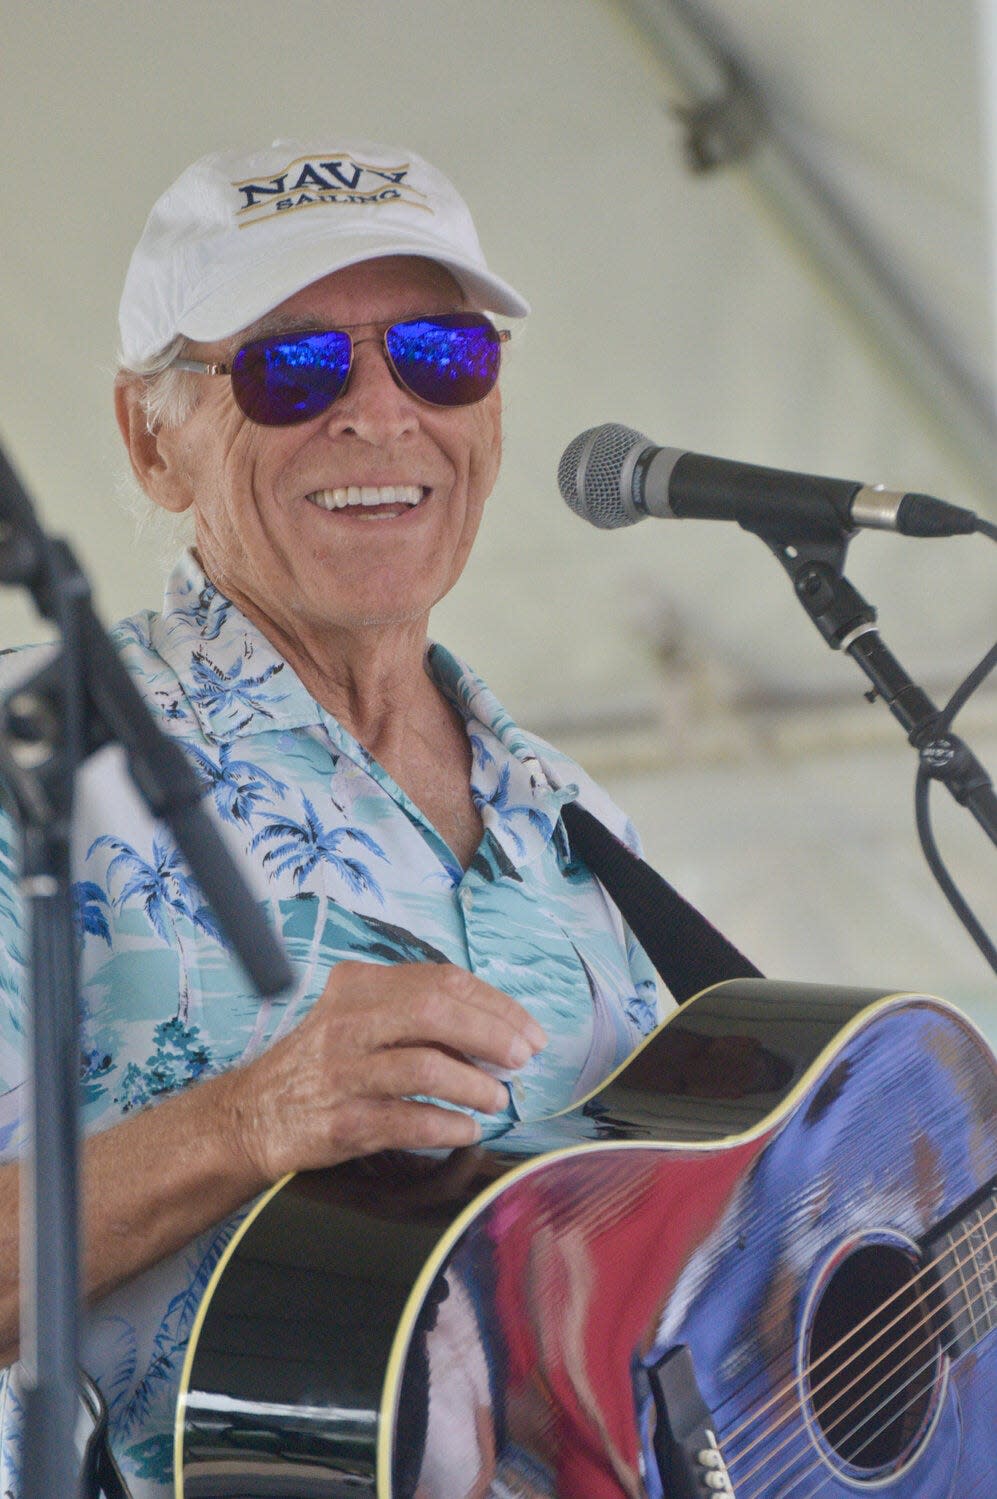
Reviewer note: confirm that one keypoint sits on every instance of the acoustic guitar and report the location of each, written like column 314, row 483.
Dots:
column 761, row 1261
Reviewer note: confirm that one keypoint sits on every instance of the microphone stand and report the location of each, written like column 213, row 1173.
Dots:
column 815, row 563
column 81, row 699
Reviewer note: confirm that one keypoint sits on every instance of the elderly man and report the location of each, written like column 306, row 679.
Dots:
column 308, row 371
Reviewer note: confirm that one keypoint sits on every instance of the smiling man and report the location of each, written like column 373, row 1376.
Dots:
column 309, row 369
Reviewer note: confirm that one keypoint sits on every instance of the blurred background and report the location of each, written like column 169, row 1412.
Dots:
column 755, row 230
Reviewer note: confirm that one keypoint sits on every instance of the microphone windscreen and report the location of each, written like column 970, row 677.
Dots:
column 595, row 475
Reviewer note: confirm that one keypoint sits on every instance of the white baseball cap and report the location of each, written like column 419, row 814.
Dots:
column 239, row 232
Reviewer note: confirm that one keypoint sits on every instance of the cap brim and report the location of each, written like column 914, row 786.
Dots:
column 266, row 281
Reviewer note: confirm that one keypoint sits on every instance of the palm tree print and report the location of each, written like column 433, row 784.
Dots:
column 10, row 934
column 199, row 614
column 308, row 844
column 133, row 1392
column 9, row 874
column 236, row 785
column 229, row 692
column 483, row 756
column 170, row 704
column 301, row 847
column 499, row 802
column 90, row 907
column 137, row 630
column 167, row 893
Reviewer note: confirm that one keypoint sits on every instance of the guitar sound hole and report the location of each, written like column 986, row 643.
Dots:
column 873, row 1359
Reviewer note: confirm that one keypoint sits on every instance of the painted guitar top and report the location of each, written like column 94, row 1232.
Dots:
column 760, row 1261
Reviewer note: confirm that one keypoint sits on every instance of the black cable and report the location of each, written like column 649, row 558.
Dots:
column 935, row 863
column 923, row 817
column 987, row 528
column 967, row 687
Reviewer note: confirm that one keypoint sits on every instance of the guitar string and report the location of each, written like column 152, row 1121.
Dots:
column 871, row 1437
column 931, row 1341
column 876, row 1311
column 816, row 1389
column 916, row 1394
column 780, row 1393
column 934, row 1342
column 983, row 1295
column 937, row 1287
column 822, row 1461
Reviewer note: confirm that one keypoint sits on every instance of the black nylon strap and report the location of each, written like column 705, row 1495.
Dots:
column 688, row 952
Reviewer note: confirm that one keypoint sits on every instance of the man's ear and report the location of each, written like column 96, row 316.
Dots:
column 154, row 455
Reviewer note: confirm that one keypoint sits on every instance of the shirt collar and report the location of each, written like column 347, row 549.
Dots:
column 519, row 797
column 234, row 680
column 473, row 699
column 237, row 684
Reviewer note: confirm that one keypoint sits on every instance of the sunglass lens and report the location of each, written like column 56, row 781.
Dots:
column 281, row 380
column 448, row 361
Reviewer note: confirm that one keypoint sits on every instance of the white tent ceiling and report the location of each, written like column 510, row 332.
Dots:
column 678, row 304
column 663, row 300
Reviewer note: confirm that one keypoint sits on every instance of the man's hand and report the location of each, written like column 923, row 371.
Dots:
column 344, row 1082
column 341, row 1084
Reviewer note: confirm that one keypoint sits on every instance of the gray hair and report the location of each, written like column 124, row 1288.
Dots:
column 167, row 395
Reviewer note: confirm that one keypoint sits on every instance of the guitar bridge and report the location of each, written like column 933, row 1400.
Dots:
column 690, row 1463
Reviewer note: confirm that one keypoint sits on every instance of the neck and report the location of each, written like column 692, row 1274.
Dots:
column 374, row 682
column 370, row 677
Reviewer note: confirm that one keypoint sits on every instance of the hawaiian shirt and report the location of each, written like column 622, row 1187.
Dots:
column 346, row 866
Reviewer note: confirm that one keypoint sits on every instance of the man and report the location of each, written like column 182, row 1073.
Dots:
column 308, row 372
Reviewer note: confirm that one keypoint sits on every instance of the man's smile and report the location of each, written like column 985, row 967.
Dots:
column 370, row 501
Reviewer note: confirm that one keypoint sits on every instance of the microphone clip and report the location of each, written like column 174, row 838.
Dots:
column 816, row 567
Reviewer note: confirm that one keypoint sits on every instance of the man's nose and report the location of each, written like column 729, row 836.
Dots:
column 374, row 406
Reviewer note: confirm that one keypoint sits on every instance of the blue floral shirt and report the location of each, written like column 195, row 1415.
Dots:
column 347, row 867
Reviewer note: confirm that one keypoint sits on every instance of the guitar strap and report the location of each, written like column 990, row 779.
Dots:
column 686, row 949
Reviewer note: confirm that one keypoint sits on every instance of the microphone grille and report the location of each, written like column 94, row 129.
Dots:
column 590, row 474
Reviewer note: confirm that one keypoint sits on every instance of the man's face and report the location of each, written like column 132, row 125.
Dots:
column 264, row 535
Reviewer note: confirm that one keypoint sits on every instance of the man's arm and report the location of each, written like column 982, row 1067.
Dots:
column 339, row 1085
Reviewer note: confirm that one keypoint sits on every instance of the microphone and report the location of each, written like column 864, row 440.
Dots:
column 613, row 476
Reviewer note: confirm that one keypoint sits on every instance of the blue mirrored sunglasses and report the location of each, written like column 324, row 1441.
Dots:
column 448, row 360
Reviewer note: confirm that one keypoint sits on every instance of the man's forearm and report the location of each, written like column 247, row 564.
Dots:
column 149, row 1185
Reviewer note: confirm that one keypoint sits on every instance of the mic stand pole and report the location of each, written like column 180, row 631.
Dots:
column 848, row 622
column 80, row 700
column 40, row 772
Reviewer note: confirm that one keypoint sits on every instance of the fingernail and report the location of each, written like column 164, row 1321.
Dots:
column 519, row 1052
column 538, row 1037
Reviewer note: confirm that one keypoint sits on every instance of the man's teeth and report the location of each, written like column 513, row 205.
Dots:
column 367, row 494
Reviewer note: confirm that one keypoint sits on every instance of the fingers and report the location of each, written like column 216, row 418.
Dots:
column 428, row 1072
column 437, row 1003
column 380, row 1124
column 352, row 1077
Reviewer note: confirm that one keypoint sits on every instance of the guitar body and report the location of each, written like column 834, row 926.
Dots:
column 765, row 1251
